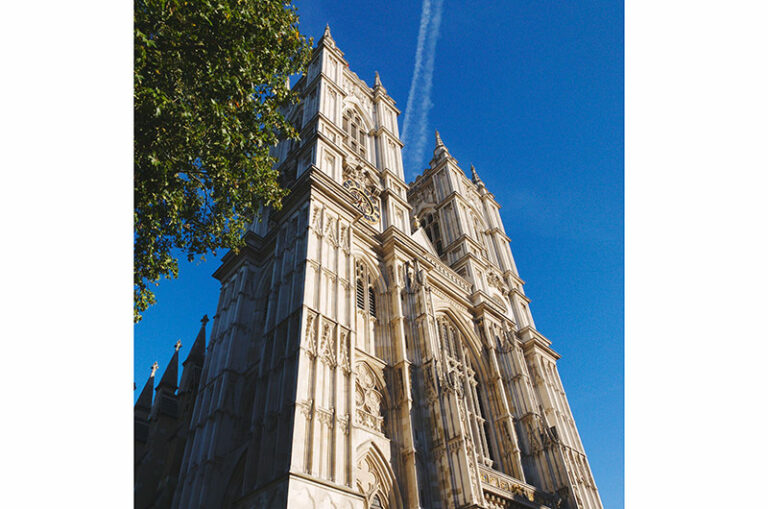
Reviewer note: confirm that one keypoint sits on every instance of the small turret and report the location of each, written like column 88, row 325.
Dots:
column 476, row 178
column 144, row 403
column 171, row 376
column 441, row 152
column 141, row 412
column 326, row 39
column 165, row 400
column 438, row 140
column 440, row 149
column 378, row 87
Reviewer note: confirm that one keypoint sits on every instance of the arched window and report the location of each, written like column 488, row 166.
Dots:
column 431, row 225
column 363, row 281
column 366, row 322
column 357, row 139
column 464, row 376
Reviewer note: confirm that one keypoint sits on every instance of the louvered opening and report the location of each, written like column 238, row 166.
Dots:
column 371, row 302
column 360, row 295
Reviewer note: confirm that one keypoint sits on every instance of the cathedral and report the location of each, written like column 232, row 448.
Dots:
column 372, row 348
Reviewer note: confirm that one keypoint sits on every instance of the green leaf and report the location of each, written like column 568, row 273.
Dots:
column 201, row 156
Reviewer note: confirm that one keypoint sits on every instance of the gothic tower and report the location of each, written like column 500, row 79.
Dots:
column 373, row 347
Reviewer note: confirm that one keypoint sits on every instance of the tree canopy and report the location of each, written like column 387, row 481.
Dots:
column 209, row 83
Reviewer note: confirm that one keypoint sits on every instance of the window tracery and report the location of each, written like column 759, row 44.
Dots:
column 375, row 480
column 368, row 310
column 431, row 225
column 366, row 300
column 462, row 375
column 357, row 139
column 368, row 400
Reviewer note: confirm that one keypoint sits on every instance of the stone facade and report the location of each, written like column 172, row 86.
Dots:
column 373, row 346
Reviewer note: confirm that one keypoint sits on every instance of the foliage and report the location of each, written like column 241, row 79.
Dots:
column 209, row 84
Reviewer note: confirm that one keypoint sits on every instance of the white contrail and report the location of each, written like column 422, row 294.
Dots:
column 417, row 65
column 418, row 105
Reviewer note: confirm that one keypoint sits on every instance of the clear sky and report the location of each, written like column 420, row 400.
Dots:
column 531, row 93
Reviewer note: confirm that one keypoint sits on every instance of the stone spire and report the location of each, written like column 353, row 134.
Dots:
column 171, row 375
column 378, row 88
column 197, row 352
column 145, row 398
column 475, row 177
column 326, row 39
column 440, row 148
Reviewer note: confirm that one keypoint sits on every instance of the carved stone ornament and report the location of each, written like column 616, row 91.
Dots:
column 368, row 400
column 495, row 282
column 344, row 352
column 310, row 334
column 315, row 221
column 306, row 408
column 344, row 237
column 353, row 168
column 344, row 424
column 328, row 346
column 325, row 415
column 330, row 231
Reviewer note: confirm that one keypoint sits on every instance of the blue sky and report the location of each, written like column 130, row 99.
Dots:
column 531, row 93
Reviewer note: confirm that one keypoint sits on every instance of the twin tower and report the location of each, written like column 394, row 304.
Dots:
column 372, row 348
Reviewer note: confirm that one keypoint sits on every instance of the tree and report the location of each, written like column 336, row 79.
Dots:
column 209, row 86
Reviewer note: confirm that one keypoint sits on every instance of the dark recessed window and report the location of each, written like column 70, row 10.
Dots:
column 371, row 302
column 360, row 295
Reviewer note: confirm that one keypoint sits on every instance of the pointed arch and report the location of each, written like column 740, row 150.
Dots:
column 353, row 103
column 467, row 370
column 472, row 339
column 429, row 221
column 376, row 477
column 357, row 127
column 380, row 283
column 371, row 306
